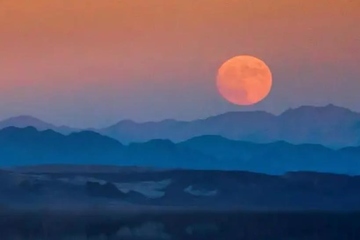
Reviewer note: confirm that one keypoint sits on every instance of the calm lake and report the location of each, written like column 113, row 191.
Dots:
column 180, row 226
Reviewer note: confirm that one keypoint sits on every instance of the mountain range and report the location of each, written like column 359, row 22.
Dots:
column 29, row 121
column 329, row 125
column 28, row 146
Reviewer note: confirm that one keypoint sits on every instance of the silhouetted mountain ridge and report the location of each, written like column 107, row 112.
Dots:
column 328, row 125
column 28, row 146
column 29, row 121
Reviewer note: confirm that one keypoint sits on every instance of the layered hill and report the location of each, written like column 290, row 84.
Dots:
column 329, row 125
column 28, row 146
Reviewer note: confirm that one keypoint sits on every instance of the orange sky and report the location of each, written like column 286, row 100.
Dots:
column 95, row 62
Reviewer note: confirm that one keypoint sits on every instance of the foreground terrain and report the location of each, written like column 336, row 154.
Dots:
column 63, row 202
column 107, row 187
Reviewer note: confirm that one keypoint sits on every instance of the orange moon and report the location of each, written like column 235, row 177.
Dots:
column 244, row 80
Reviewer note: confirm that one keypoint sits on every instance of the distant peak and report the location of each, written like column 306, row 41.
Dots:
column 330, row 105
column 126, row 122
column 12, row 128
column 25, row 121
column 241, row 114
column 327, row 108
column 23, row 118
column 86, row 133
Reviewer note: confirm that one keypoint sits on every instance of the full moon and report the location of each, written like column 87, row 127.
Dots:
column 244, row 80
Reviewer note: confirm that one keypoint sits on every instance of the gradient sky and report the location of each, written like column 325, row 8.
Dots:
column 93, row 63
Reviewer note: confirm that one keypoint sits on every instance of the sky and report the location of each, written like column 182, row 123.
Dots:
column 91, row 63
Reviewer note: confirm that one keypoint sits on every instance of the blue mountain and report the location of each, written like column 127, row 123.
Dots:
column 328, row 125
column 28, row 146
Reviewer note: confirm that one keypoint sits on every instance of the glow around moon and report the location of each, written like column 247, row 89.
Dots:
column 244, row 80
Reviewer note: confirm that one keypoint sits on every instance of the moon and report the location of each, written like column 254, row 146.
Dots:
column 244, row 80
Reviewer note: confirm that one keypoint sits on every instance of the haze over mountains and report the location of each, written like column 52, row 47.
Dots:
column 29, row 121
column 28, row 146
column 232, row 160
column 329, row 125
